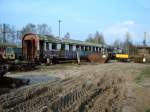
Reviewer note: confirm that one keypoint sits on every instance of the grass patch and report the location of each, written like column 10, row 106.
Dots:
column 148, row 110
column 144, row 74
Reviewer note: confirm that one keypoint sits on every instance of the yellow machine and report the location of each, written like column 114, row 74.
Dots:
column 122, row 56
column 118, row 54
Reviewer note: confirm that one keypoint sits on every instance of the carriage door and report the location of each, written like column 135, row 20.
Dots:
column 29, row 50
column 41, row 43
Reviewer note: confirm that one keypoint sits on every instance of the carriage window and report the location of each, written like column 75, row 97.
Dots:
column 102, row 50
column 74, row 48
column 47, row 46
column 54, row 46
column 86, row 48
column 50, row 46
column 70, row 47
column 89, row 48
column 63, row 47
column 93, row 49
column 58, row 46
column 77, row 47
column 67, row 47
column 82, row 48
column 96, row 48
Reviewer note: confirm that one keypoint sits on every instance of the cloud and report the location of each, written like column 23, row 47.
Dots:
column 120, row 28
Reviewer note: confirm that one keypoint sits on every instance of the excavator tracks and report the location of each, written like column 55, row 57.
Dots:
column 70, row 95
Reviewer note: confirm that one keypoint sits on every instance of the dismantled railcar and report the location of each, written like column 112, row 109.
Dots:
column 9, row 52
column 6, row 52
column 43, row 48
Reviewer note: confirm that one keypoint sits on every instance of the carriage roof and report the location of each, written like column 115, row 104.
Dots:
column 50, row 38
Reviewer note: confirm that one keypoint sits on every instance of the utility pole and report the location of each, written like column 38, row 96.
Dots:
column 144, row 41
column 59, row 27
column 4, row 33
column 18, row 34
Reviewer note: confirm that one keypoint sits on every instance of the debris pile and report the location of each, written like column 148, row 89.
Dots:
column 97, row 58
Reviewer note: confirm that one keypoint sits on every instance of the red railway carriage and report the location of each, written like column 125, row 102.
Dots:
column 36, row 47
column 29, row 46
column 44, row 48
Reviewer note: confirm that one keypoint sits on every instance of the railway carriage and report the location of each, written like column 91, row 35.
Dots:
column 49, row 49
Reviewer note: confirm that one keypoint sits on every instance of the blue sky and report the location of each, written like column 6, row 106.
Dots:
column 80, row 17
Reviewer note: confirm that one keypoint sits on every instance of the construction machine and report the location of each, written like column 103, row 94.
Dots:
column 118, row 54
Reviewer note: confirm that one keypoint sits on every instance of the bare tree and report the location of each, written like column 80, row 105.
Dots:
column 1, row 33
column 144, row 39
column 128, row 45
column 67, row 35
column 43, row 29
column 116, row 43
column 127, row 41
column 97, row 38
column 29, row 28
column 89, row 38
column 7, row 33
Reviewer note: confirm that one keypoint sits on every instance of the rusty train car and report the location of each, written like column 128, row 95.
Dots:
column 49, row 49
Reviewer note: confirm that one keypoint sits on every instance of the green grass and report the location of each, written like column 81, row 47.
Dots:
column 144, row 74
column 148, row 110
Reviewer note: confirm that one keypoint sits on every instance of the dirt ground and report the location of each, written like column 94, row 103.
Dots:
column 108, row 87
